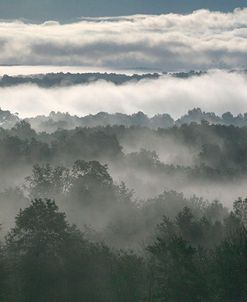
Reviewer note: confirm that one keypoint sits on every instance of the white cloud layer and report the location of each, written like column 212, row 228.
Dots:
column 200, row 40
column 217, row 91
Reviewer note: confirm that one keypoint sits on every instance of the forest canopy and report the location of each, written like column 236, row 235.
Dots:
column 123, row 213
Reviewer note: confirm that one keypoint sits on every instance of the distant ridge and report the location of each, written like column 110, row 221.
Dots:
column 69, row 79
column 58, row 120
column 62, row 79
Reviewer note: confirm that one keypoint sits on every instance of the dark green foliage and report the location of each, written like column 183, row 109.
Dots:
column 3, row 275
column 179, row 266
column 49, row 260
column 231, row 267
column 67, row 79
column 35, row 249
column 177, row 271
column 191, row 257
column 82, row 144
column 188, row 264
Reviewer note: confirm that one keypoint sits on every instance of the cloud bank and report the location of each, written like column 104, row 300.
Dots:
column 200, row 40
column 216, row 91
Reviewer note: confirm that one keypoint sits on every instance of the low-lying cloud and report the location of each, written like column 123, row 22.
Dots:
column 216, row 91
column 199, row 40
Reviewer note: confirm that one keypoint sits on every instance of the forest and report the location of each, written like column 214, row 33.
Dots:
column 118, row 212
column 123, row 151
column 58, row 120
column 68, row 79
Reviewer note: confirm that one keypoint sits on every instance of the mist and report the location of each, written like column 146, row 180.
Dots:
column 217, row 91
column 123, row 151
column 146, row 185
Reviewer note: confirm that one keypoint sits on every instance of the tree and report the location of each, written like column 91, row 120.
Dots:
column 240, row 211
column 36, row 249
column 92, row 185
column 231, row 267
column 47, row 181
column 23, row 131
column 178, row 263
column 3, row 274
column 49, row 260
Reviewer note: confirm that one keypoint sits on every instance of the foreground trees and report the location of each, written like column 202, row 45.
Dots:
column 36, row 252
column 231, row 268
column 178, row 264
column 49, row 260
column 44, row 258
column 189, row 265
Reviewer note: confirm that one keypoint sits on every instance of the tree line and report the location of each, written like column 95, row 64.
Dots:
column 219, row 151
column 82, row 236
column 44, row 258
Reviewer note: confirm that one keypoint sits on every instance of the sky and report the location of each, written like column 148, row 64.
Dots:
column 126, row 35
column 65, row 10
column 200, row 40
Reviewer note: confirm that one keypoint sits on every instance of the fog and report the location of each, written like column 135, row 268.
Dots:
column 123, row 163
column 147, row 185
column 217, row 91
column 169, row 168
column 168, row 150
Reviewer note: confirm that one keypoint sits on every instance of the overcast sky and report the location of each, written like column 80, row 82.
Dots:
column 64, row 10
column 169, row 42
